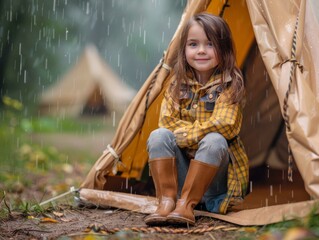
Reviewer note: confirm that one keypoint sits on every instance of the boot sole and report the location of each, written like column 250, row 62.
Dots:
column 180, row 221
column 159, row 221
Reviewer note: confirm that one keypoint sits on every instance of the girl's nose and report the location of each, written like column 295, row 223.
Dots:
column 201, row 49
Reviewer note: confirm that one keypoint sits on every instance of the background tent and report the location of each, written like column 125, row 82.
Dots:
column 281, row 80
column 90, row 87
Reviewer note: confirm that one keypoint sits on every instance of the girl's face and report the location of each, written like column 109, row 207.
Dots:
column 200, row 53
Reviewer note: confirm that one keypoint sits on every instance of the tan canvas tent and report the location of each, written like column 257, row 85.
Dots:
column 277, row 50
column 91, row 86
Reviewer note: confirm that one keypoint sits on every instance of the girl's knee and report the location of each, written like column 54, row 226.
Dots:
column 214, row 141
column 159, row 137
column 213, row 148
column 161, row 143
column 160, row 133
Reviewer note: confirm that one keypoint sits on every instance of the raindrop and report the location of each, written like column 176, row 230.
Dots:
column 20, row 49
column 46, row 63
column 144, row 40
column 140, row 31
column 126, row 183
column 163, row 35
column 266, row 202
column 113, row 114
column 271, row 190
column 54, row 1
column 292, row 193
column 169, row 23
column 66, row 34
column 87, row 8
column 123, row 25
column 251, row 186
column 276, row 200
column 133, row 27
column 20, row 64
column 258, row 116
column 25, row 76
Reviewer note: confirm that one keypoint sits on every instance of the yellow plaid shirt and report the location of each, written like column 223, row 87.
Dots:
column 201, row 110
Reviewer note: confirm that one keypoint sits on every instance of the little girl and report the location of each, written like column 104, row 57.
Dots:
column 196, row 154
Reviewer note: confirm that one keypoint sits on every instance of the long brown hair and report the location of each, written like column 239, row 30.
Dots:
column 218, row 32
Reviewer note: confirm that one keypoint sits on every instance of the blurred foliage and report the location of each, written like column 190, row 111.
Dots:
column 41, row 40
column 20, row 156
column 308, row 226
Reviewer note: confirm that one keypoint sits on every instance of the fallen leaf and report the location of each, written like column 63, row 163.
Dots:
column 250, row 229
column 58, row 214
column 66, row 220
column 48, row 220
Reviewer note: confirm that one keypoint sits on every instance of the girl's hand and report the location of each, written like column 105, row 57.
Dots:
column 181, row 137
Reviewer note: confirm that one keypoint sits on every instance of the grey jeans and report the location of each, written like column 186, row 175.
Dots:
column 212, row 149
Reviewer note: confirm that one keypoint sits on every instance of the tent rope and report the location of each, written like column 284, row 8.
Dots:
column 116, row 159
column 165, row 66
column 221, row 14
column 294, row 64
column 93, row 228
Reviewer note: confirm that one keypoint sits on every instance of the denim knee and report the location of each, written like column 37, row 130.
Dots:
column 161, row 143
column 213, row 149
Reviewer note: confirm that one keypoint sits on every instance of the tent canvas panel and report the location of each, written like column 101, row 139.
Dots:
column 292, row 70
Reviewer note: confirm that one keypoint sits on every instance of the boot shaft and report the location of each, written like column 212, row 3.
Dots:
column 164, row 174
column 198, row 178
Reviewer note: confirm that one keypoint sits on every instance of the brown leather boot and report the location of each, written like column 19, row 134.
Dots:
column 198, row 178
column 164, row 175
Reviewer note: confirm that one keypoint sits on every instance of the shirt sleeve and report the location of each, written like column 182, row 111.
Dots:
column 170, row 115
column 226, row 120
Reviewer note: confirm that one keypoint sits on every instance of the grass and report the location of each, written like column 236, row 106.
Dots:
column 15, row 128
column 23, row 162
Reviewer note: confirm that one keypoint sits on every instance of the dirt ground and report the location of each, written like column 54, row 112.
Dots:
column 77, row 223
column 66, row 220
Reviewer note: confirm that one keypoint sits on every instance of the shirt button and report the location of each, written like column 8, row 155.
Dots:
column 184, row 134
column 195, row 106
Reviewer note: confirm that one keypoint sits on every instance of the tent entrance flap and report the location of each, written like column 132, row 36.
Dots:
column 95, row 104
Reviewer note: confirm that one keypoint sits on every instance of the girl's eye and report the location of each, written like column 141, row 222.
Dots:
column 192, row 44
column 210, row 44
